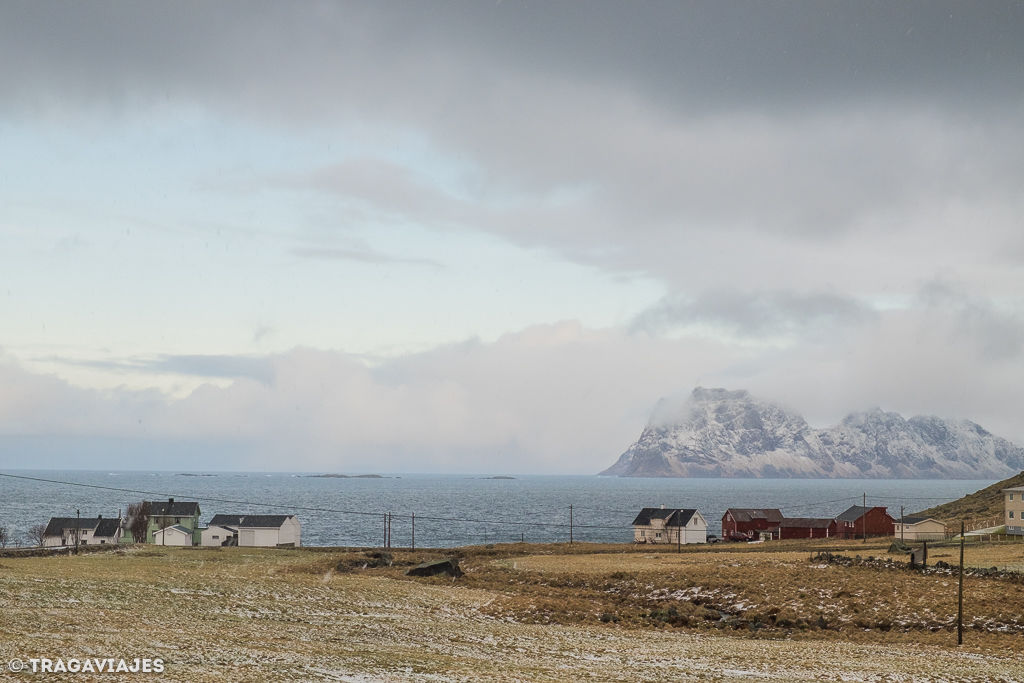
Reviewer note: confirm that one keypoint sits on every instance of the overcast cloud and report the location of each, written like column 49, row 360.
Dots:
column 416, row 235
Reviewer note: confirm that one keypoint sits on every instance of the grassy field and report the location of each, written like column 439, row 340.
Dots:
column 519, row 613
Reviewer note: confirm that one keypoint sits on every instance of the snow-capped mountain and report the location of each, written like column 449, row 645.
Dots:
column 720, row 433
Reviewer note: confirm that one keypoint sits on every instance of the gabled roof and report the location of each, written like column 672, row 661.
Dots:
column 672, row 516
column 806, row 523
column 251, row 521
column 854, row 513
column 750, row 514
column 918, row 520
column 107, row 527
column 176, row 527
column 1013, row 489
column 56, row 525
column 176, row 509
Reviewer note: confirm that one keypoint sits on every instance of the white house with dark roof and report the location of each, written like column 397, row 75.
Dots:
column 263, row 531
column 670, row 525
column 918, row 528
column 61, row 531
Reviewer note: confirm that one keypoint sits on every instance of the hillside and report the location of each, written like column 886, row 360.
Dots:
column 979, row 505
column 721, row 433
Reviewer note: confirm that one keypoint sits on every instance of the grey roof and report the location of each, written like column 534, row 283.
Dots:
column 176, row 527
column 854, row 513
column 251, row 521
column 917, row 520
column 107, row 527
column 806, row 523
column 178, row 509
column 56, row 525
column 773, row 515
column 1013, row 489
column 672, row 516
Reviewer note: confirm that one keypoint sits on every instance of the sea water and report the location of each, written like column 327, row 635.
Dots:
column 450, row 510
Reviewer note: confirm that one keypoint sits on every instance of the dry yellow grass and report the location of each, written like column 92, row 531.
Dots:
column 263, row 615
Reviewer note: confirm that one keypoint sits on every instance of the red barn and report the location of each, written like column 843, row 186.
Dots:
column 858, row 522
column 807, row 527
column 749, row 521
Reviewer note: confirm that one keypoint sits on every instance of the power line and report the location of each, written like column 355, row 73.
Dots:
column 289, row 507
column 198, row 498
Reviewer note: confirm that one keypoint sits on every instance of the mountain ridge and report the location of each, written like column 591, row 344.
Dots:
column 730, row 433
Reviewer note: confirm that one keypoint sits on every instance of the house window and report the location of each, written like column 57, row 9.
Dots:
column 218, row 537
column 1011, row 514
column 657, row 535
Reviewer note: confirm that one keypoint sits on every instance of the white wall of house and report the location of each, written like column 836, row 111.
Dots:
column 54, row 541
column 928, row 530
column 695, row 531
column 269, row 537
column 172, row 536
column 291, row 532
column 214, row 535
column 67, row 537
column 259, row 538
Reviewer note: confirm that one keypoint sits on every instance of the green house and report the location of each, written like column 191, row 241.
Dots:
column 167, row 513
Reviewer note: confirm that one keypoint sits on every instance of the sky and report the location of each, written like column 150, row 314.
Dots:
column 487, row 237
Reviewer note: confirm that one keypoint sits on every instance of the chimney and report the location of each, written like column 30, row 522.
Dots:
column 100, row 517
column 170, row 504
column 662, row 506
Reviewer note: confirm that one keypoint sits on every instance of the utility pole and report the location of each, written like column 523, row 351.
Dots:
column 902, row 524
column 78, row 528
column 570, row 524
column 960, row 596
column 414, row 531
column 864, row 524
column 385, row 543
column 679, row 533
column 389, row 530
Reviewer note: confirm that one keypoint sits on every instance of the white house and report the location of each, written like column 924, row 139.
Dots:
column 672, row 525
column 920, row 529
column 91, row 531
column 265, row 531
column 173, row 535
column 216, row 535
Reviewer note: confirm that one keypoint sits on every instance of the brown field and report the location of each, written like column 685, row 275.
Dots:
column 520, row 613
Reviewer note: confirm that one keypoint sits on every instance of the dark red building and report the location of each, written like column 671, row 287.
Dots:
column 859, row 522
column 750, row 521
column 807, row 527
